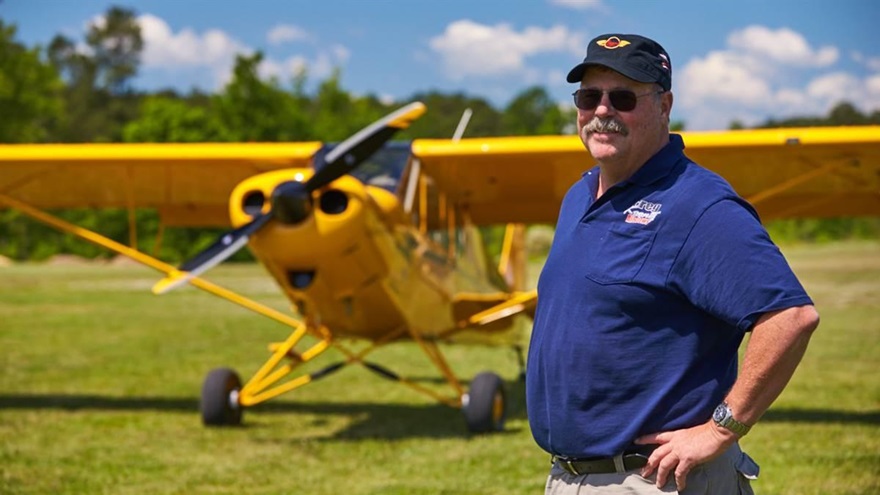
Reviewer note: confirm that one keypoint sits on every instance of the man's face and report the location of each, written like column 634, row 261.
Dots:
column 633, row 134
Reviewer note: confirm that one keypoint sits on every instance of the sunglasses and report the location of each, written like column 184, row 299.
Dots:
column 623, row 100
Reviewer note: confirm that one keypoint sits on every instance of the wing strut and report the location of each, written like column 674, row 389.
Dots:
column 147, row 260
column 264, row 385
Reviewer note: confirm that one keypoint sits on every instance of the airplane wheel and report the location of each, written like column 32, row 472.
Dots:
column 220, row 398
column 484, row 406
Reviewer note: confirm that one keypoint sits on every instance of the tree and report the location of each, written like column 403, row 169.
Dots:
column 257, row 110
column 165, row 119
column 844, row 113
column 97, row 99
column 117, row 44
column 337, row 114
column 69, row 63
column 444, row 114
column 533, row 112
column 30, row 91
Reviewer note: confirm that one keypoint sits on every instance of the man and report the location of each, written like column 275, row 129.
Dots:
column 656, row 272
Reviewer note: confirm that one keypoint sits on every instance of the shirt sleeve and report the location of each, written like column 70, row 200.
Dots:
column 729, row 267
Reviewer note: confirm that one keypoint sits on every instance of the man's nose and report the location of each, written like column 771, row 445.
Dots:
column 605, row 107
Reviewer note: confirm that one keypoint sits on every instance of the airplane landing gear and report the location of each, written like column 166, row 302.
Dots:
column 484, row 405
column 219, row 404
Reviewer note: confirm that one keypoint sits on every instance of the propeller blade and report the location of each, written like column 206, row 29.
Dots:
column 291, row 201
column 289, row 197
column 346, row 156
column 224, row 247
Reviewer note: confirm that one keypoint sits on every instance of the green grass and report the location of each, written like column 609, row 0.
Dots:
column 99, row 384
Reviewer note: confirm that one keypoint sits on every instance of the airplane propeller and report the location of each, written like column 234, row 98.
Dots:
column 291, row 201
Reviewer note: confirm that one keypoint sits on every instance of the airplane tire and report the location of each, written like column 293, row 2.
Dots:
column 485, row 406
column 219, row 404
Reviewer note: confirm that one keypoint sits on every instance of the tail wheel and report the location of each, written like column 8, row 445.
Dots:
column 219, row 403
column 485, row 405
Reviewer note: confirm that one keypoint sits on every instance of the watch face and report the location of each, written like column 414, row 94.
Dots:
column 720, row 413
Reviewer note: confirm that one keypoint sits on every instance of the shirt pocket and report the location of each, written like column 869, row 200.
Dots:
column 619, row 254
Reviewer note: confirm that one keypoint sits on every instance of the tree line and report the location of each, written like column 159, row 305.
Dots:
column 62, row 93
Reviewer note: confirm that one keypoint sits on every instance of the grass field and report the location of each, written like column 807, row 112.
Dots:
column 99, row 384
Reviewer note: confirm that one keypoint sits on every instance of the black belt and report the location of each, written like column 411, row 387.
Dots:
column 620, row 463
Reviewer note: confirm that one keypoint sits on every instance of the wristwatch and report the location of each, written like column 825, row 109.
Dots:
column 723, row 417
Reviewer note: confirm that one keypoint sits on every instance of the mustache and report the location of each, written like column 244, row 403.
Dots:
column 597, row 124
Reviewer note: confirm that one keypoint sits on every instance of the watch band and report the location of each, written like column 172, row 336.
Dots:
column 724, row 418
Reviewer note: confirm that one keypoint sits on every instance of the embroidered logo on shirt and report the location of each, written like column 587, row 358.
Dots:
column 643, row 212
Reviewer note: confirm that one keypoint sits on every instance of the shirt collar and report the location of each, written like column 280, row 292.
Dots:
column 657, row 167
column 661, row 164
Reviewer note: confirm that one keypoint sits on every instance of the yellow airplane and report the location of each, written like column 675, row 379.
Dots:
column 380, row 241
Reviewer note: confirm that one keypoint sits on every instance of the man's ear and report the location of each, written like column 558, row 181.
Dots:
column 666, row 103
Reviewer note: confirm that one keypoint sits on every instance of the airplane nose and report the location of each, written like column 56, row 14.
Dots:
column 333, row 202
column 291, row 202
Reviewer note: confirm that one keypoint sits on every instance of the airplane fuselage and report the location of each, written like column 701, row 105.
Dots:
column 357, row 264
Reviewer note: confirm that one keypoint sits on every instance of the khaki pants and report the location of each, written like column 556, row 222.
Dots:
column 727, row 474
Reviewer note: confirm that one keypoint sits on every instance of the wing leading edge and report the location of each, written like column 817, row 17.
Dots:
column 791, row 172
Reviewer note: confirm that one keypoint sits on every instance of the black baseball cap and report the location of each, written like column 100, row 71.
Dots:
column 636, row 57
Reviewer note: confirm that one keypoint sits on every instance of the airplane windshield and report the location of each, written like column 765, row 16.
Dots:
column 385, row 168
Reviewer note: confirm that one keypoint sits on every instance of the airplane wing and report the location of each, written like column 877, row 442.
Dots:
column 189, row 184
column 794, row 172
column 786, row 172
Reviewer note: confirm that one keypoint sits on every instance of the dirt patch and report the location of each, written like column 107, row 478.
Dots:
column 69, row 260
column 4, row 261
column 121, row 260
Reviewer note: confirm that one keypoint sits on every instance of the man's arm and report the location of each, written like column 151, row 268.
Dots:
column 775, row 349
column 778, row 342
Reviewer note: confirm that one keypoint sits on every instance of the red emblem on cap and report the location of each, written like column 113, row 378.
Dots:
column 612, row 43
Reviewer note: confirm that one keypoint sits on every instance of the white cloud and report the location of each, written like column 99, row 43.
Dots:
column 782, row 45
column 164, row 48
column 792, row 98
column 468, row 48
column 340, row 53
column 318, row 68
column 873, row 85
column 98, row 21
column 215, row 50
column 579, row 4
column 764, row 73
column 285, row 33
column 833, row 88
column 837, row 85
column 723, row 76
column 872, row 63
column 282, row 70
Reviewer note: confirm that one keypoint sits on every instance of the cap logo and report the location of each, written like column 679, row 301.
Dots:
column 612, row 43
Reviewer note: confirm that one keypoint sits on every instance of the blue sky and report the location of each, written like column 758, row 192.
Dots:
column 745, row 59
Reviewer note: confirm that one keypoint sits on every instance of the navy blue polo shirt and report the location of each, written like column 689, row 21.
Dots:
column 642, row 304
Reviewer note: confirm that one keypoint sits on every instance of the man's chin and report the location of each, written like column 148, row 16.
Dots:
column 603, row 145
column 604, row 137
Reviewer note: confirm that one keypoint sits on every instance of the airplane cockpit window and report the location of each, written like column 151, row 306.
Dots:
column 384, row 168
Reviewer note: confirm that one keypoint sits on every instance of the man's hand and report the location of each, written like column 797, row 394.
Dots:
column 680, row 450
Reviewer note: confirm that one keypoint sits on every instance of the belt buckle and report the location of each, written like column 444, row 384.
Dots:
column 567, row 465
